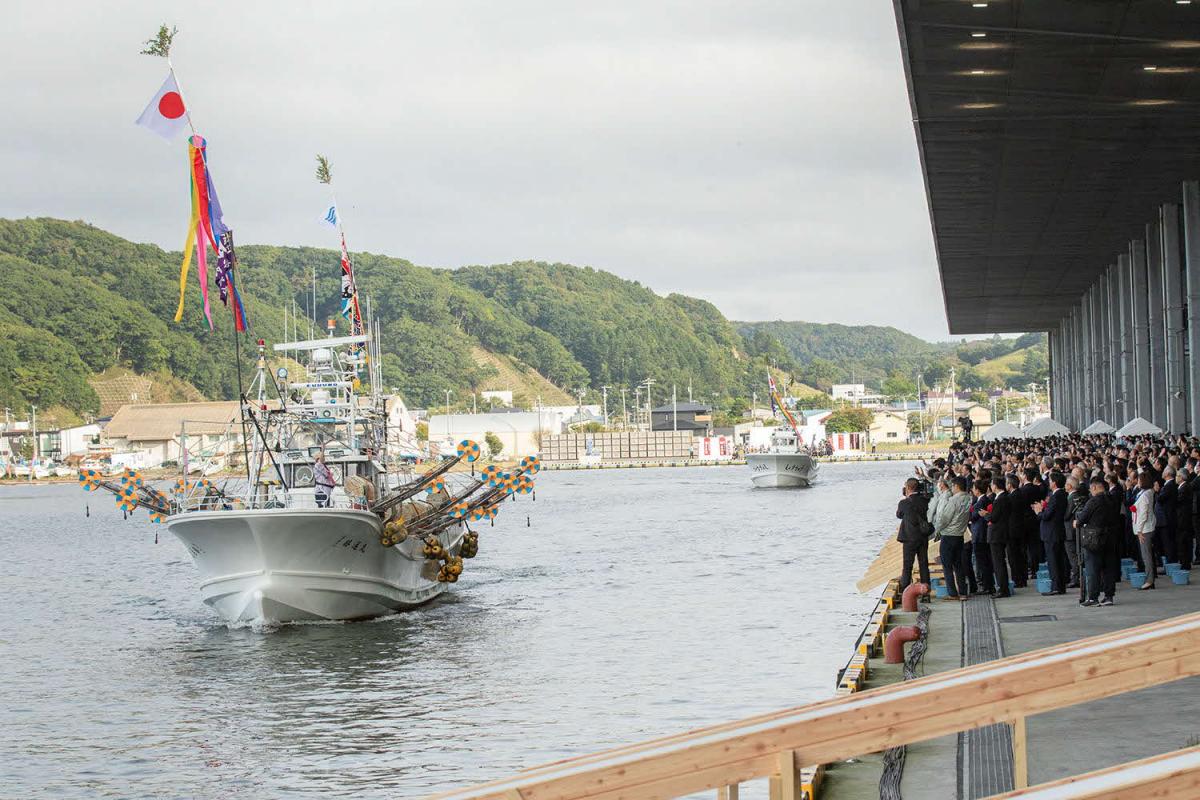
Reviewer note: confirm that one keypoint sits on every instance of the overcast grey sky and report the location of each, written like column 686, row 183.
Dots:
column 757, row 154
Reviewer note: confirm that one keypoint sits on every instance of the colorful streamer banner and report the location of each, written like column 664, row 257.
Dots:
column 350, row 308
column 207, row 229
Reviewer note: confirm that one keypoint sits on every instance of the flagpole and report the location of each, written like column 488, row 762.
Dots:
column 187, row 109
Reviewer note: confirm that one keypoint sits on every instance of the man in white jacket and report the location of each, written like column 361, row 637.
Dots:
column 1143, row 525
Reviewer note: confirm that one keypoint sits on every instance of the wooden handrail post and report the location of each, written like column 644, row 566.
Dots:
column 1020, row 757
column 789, row 776
column 730, row 792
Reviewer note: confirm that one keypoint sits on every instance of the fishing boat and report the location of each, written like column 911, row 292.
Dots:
column 275, row 552
column 278, row 545
column 786, row 462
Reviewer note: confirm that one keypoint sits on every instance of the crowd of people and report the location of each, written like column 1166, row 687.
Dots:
column 1078, row 504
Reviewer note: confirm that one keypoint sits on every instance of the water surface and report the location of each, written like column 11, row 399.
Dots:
column 635, row 603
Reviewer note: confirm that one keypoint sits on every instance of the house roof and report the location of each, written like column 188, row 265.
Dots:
column 162, row 421
column 682, row 405
column 683, row 425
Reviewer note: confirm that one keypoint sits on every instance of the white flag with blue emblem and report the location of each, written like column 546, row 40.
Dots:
column 330, row 217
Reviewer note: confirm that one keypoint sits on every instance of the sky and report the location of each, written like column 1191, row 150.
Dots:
column 757, row 154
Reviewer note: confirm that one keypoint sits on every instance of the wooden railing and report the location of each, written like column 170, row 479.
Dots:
column 1171, row 776
column 777, row 745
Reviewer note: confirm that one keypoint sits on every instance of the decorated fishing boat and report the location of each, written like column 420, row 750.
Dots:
column 323, row 525
column 786, row 462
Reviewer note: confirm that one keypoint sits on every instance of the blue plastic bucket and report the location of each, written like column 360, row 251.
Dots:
column 1136, row 579
column 1044, row 585
column 1180, row 577
column 1173, row 567
column 1128, row 562
column 940, row 589
column 1043, row 574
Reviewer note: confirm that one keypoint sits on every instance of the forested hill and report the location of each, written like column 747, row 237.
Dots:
column 76, row 301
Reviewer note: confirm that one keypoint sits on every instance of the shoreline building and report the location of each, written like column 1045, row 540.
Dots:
column 147, row 436
column 521, row 432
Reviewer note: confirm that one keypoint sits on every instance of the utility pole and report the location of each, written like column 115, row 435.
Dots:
column 953, row 410
column 604, row 402
column 920, row 408
column 649, row 382
column 637, row 403
column 448, row 393
column 674, row 410
column 689, row 390
column 33, row 427
column 624, row 410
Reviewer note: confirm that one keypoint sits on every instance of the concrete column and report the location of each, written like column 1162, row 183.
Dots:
column 1075, row 364
column 1092, row 353
column 1191, row 241
column 1172, row 247
column 1081, row 356
column 1087, row 355
column 1112, row 317
column 1052, row 387
column 1156, row 327
column 1123, row 309
column 1096, row 342
column 1141, row 329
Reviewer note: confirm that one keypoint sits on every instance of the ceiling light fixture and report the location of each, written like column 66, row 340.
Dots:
column 979, row 5
column 979, row 35
column 1150, row 68
column 978, row 72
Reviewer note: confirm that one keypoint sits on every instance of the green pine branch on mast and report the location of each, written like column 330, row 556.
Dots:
column 324, row 174
column 160, row 44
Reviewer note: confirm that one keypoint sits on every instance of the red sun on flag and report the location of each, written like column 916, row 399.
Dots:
column 170, row 105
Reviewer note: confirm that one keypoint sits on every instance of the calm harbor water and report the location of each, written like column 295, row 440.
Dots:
column 636, row 603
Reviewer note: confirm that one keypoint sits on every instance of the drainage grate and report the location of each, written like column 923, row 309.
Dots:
column 1031, row 618
column 985, row 754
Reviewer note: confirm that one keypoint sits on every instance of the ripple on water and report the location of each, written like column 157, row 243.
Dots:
column 638, row 603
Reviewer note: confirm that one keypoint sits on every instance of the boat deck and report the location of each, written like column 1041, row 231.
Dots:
column 1058, row 744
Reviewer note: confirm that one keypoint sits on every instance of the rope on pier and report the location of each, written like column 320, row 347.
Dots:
column 893, row 758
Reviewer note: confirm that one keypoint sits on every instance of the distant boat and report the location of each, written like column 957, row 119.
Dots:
column 787, row 463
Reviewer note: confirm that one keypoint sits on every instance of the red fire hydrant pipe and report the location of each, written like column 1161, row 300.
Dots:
column 908, row 601
column 893, row 646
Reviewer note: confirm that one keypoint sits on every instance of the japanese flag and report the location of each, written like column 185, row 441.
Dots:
column 165, row 114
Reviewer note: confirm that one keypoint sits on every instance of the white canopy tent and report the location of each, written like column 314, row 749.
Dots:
column 1002, row 430
column 1139, row 427
column 1098, row 427
column 1046, row 426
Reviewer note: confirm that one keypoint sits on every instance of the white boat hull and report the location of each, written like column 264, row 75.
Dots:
column 289, row 565
column 782, row 470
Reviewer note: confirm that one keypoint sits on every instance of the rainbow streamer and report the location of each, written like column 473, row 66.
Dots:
column 205, row 227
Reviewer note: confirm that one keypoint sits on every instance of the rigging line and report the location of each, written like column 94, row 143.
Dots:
column 266, row 447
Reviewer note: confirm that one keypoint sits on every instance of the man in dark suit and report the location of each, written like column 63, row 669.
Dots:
column 999, row 530
column 1019, row 516
column 979, row 542
column 1164, row 512
column 914, row 531
column 1031, row 491
column 1184, row 534
column 1051, row 514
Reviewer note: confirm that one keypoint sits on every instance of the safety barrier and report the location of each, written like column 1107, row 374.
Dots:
column 775, row 745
